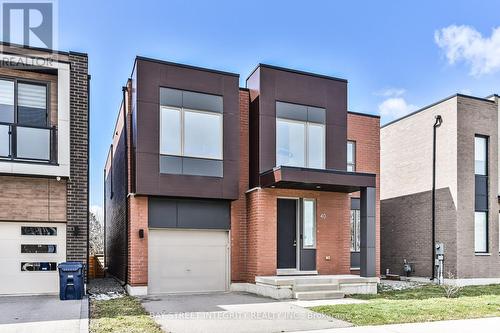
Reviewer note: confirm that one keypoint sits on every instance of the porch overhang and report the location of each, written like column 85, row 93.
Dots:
column 316, row 179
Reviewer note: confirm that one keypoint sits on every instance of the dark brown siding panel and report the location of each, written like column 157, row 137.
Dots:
column 151, row 76
column 268, row 85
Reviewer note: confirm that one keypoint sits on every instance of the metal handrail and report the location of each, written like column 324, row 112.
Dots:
column 13, row 143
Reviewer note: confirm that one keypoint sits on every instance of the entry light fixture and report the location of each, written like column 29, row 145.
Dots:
column 141, row 233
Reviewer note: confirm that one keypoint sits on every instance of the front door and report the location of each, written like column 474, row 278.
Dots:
column 287, row 234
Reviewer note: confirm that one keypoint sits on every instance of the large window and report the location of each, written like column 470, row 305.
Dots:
column 481, row 194
column 351, row 156
column 24, row 122
column 300, row 136
column 191, row 133
column 309, row 216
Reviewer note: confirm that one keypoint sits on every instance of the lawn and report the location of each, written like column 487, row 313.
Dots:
column 124, row 315
column 427, row 303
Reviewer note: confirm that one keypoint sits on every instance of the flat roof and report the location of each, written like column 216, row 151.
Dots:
column 164, row 62
column 295, row 71
column 436, row 103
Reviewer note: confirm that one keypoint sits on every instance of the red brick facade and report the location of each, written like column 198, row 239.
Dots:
column 138, row 247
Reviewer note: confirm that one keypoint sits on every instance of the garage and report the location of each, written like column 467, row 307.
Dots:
column 188, row 261
column 29, row 254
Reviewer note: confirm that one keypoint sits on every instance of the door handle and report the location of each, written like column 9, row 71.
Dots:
column 295, row 243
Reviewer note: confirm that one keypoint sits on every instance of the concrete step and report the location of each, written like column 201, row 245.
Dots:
column 316, row 287
column 315, row 295
column 314, row 280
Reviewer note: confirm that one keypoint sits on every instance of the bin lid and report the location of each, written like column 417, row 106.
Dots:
column 70, row 266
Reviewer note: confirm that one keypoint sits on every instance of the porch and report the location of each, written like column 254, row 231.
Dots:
column 309, row 287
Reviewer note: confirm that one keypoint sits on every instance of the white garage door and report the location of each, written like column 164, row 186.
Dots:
column 188, row 261
column 29, row 254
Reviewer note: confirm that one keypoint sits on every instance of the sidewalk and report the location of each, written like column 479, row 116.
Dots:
column 453, row 326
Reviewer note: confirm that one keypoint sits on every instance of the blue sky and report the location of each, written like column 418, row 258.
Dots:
column 386, row 49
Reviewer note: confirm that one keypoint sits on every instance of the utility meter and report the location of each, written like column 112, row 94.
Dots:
column 439, row 262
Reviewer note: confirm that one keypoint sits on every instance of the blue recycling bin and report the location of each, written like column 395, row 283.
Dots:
column 71, row 284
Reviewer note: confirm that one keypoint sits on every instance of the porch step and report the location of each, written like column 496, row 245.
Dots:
column 315, row 287
column 315, row 295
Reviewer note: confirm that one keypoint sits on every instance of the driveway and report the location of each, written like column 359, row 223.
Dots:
column 233, row 313
column 45, row 314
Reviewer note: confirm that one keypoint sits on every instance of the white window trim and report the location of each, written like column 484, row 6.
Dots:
column 306, row 140
column 314, row 223
column 182, row 131
column 353, row 157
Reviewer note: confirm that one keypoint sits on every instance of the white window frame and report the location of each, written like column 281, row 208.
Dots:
column 306, row 140
column 182, row 131
column 304, row 200
column 486, row 234
column 355, row 224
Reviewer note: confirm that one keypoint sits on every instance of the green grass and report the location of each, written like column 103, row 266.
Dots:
column 427, row 303
column 124, row 315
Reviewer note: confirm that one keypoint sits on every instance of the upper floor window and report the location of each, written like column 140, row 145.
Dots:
column 300, row 135
column 481, row 155
column 191, row 133
column 351, row 156
column 25, row 133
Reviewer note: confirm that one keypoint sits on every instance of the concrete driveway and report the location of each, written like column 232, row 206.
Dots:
column 233, row 313
column 42, row 314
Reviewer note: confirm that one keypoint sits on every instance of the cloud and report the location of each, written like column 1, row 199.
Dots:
column 464, row 43
column 391, row 92
column 395, row 107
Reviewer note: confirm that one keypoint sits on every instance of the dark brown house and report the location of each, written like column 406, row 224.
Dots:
column 211, row 187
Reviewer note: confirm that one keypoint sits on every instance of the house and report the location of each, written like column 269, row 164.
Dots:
column 212, row 187
column 466, row 190
column 43, row 166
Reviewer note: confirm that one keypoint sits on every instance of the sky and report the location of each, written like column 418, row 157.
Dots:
column 398, row 56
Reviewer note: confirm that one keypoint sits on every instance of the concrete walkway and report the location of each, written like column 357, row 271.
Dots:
column 453, row 326
column 42, row 314
column 233, row 313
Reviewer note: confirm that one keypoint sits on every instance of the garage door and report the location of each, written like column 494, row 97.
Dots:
column 188, row 261
column 29, row 254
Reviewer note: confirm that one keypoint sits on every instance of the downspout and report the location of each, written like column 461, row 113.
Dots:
column 124, row 90
column 438, row 123
column 88, row 173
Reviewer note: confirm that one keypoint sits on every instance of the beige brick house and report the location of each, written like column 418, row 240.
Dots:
column 466, row 190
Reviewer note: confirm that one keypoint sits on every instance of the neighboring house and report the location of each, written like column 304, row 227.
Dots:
column 208, row 184
column 43, row 166
column 467, row 178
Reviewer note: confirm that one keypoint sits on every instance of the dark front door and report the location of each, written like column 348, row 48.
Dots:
column 287, row 233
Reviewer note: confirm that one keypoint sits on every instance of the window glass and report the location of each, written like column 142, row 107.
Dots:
column 38, row 248
column 39, row 231
column 290, row 143
column 316, row 146
column 32, row 104
column 4, row 140
column 480, row 153
column 309, row 233
column 203, row 135
column 6, row 101
column 480, row 232
column 33, row 143
column 38, row 266
column 351, row 156
column 355, row 230
column 170, row 131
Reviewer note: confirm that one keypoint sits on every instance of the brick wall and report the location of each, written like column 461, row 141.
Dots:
column 333, row 231
column 137, row 247
column 77, row 206
column 238, row 207
column 365, row 131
